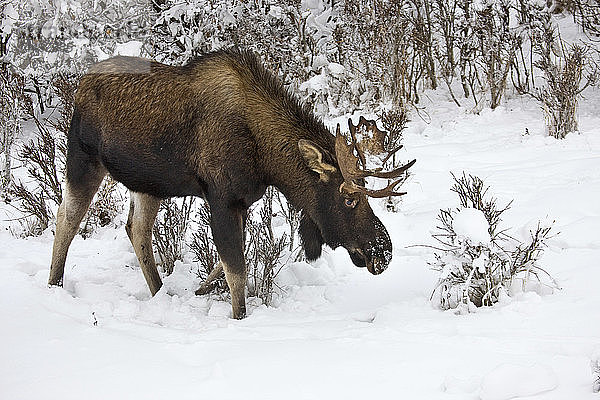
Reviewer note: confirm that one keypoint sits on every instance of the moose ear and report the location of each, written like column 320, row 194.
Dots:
column 313, row 156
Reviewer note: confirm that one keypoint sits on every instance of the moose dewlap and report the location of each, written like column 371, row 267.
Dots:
column 223, row 128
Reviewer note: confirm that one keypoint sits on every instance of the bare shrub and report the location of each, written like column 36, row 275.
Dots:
column 205, row 252
column 107, row 204
column 467, row 49
column 378, row 47
column 475, row 273
column 265, row 251
column 532, row 18
column 170, row 229
column 292, row 218
column 64, row 85
column 44, row 158
column 586, row 14
column 446, row 15
column 11, row 109
column 568, row 70
column 595, row 365
column 32, row 205
column 497, row 46
column 421, row 18
column 394, row 122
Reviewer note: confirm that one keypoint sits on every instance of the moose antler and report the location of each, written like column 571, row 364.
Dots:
column 349, row 167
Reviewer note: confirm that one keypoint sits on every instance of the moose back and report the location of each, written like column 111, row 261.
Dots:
column 223, row 128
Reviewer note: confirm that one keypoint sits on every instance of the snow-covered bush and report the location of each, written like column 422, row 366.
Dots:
column 205, row 251
column 497, row 44
column 170, row 230
column 44, row 159
column 568, row 70
column 595, row 364
column 380, row 51
column 44, row 38
column 477, row 260
column 268, row 245
column 107, row 204
column 11, row 96
column 270, row 232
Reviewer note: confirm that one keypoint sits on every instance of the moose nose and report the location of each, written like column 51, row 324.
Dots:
column 377, row 265
column 378, row 256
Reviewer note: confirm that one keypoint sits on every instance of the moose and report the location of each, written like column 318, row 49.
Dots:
column 221, row 127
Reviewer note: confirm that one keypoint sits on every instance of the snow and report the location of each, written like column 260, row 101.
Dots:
column 509, row 381
column 132, row 48
column 470, row 224
column 336, row 69
column 335, row 331
column 314, row 84
column 9, row 17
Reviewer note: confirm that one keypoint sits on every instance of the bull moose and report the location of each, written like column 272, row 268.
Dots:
column 223, row 128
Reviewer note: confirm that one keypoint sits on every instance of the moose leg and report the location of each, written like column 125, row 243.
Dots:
column 76, row 199
column 142, row 214
column 228, row 233
column 130, row 216
column 207, row 285
column 217, row 271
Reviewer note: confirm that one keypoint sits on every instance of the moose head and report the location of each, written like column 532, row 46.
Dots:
column 341, row 214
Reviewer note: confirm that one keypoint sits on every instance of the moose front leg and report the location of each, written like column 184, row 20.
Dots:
column 228, row 234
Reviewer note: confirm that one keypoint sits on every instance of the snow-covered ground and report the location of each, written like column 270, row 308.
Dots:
column 336, row 332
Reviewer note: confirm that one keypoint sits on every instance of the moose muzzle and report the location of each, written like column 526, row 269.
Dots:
column 375, row 257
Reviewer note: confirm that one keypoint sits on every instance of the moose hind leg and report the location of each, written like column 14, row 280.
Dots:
column 142, row 214
column 76, row 199
column 209, row 284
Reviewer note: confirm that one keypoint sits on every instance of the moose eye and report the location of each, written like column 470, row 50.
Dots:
column 350, row 203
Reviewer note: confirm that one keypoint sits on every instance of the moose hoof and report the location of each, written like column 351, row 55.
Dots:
column 58, row 283
column 241, row 314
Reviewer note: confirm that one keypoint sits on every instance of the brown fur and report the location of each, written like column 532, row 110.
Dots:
column 221, row 127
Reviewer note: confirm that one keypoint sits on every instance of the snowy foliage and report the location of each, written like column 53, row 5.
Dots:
column 170, row 230
column 108, row 203
column 595, row 364
column 479, row 262
column 11, row 93
column 271, row 233
column 339, row 56
column 269, row 247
